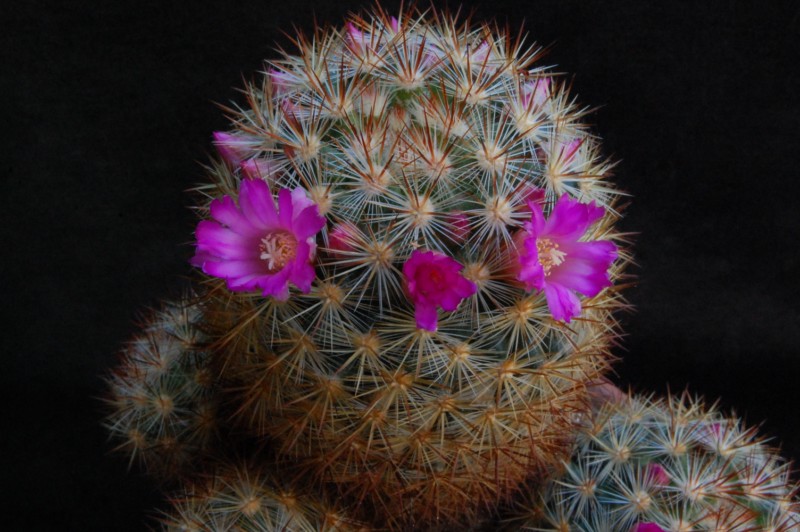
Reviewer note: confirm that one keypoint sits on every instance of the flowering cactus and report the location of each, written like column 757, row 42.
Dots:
column 408, row 276
column 645, row 465
column 415, row 322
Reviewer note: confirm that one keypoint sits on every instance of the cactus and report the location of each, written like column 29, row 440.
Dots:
column 161, row 407
column 248, row 497
column 665, row 465
column 404, row 324
column 410, row 277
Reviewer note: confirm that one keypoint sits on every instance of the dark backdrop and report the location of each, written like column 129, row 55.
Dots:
column 107, row 111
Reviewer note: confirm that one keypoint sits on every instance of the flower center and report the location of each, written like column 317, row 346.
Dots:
column 277, row 249
column 549, row 254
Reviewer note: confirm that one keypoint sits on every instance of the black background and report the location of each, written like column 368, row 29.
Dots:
column 107, row 112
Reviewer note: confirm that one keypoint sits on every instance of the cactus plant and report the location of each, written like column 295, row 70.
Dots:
column 405, row 322
column 410, row 273
column 250, row 497
column 161, row 407
column 644, row 464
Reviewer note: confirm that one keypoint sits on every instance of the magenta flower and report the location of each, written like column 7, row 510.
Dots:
column 434, row 280
column 258, row 246
column 550, row 257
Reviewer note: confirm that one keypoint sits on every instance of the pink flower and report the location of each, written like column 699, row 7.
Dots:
column 235, row 148
column 258, row 246
column 647, row 527
column 550, row 258
column 434, row 280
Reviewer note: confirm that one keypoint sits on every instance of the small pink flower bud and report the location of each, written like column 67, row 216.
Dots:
column 259, row 168
column 235, row 148
column 657, row 475
column 355, row 35
column 480, row 54
column 535, row 93
column 280, row 80
column 457, row 226
column 340, row 238
column 571, row 149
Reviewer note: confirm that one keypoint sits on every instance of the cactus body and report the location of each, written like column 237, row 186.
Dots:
column 672, row 465
column 162, row 409
column 251, row 498
column 411, row 135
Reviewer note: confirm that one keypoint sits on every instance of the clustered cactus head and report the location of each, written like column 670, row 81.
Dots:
column 645, row 465
column 251, row 497
column 162, row 409
column 411, row 261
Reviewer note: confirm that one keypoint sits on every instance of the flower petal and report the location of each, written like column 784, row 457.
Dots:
column 224, row 211
column 597, row 250
column 307, row 222
column 231, row 269
column 426, row 316
column 276, row 285
column 302, row 276
column 257, row 204
column 537, row 223
column 586, row 268
column 301, row 201
column 285, row 208
column 224, row 243
column 563, row 303
column 570, row 219
column 530, row 270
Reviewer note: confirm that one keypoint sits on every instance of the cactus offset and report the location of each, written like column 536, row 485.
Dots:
column 425, row 142
column 245, row 497
column 644, row 464
column 161, row 407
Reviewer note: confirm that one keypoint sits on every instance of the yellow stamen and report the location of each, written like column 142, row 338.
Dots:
column 549, row 254
column 277, row 249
